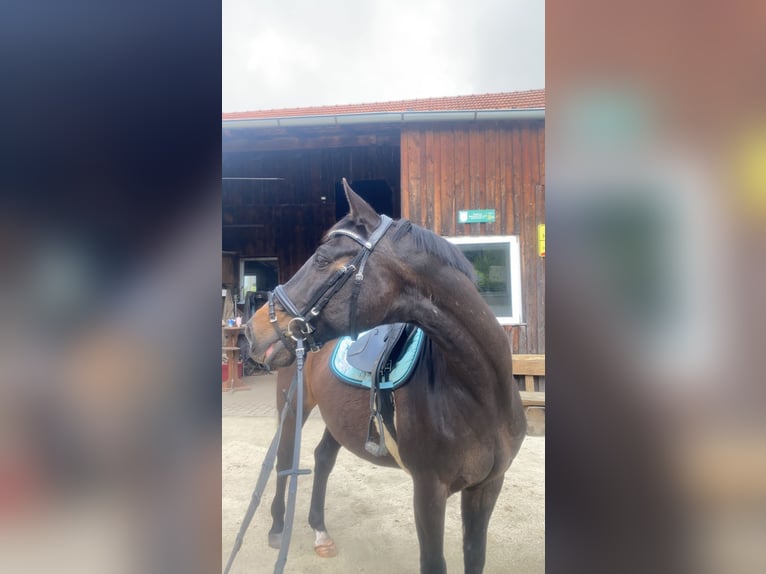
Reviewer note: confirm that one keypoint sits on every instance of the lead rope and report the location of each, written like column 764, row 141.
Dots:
column 268, row 466
column 293, row 473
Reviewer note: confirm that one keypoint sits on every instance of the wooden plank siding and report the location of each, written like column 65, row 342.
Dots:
column 286, row 219
column 501, row 166
column 434, row 170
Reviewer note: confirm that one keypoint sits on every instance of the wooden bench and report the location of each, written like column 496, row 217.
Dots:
column 529, row 367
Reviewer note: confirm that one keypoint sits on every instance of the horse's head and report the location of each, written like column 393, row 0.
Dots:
column 345, row 286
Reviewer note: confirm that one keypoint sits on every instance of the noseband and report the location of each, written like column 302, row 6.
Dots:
column 300, row 327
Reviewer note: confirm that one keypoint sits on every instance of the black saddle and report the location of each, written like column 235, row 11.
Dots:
column 379, row 347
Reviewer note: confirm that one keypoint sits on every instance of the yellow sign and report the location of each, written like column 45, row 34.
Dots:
column 541, row 239
column 750, row 172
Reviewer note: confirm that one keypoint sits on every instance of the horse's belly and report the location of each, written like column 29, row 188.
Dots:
column 348, row 418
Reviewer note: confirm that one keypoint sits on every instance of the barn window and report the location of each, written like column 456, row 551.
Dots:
column 497, row 262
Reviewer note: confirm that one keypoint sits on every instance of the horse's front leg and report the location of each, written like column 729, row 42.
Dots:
column 476, row 506
column 430, row 507
column 325, row 456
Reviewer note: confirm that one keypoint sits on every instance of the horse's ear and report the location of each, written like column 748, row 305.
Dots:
column 360, row 212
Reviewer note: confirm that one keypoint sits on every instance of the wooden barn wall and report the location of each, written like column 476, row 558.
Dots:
column 286, row 219
column 499, row 166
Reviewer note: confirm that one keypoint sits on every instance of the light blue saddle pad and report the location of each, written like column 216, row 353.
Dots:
column 400, row 370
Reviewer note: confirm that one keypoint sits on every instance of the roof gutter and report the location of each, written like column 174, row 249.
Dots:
column 387, row 118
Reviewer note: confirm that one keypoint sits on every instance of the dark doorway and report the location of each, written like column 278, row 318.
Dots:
column 376, row 192
column 258, row 274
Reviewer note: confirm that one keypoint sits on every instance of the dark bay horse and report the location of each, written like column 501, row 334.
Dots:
column 459, row 421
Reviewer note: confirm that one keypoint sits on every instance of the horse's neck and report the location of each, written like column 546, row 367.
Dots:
column 453, row 314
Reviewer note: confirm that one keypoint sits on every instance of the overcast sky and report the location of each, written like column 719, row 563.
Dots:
column 287, row 53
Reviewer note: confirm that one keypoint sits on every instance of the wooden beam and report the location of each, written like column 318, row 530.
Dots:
column 536, row 399
column 529, row 365
column 301, row 141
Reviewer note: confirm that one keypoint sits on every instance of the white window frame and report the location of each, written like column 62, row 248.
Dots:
column 514, row 281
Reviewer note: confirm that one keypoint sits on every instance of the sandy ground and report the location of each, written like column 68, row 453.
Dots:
column 369, row 508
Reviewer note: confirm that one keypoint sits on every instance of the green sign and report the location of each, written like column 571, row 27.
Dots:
column 476, row 216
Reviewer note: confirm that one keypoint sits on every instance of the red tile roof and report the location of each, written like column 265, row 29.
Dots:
column 529, row 99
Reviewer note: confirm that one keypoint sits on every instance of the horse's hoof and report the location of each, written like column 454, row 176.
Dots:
column 324, row 546
column 326, row 550
column 275, row 539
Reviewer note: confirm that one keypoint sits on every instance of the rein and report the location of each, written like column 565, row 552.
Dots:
column 268, row 465
column 301, row 319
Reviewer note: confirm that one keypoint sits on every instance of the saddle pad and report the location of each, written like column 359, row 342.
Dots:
column 398, row 375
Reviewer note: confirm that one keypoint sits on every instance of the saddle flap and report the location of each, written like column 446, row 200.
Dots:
column 376, row 344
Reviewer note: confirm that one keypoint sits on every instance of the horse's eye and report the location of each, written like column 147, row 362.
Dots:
column 321, row 261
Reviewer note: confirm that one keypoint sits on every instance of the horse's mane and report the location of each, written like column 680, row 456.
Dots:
column 433, row 244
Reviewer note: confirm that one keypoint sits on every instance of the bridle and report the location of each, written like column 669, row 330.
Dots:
column 300, row 327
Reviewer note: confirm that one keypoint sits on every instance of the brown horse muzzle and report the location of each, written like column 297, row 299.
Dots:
column 265, row 346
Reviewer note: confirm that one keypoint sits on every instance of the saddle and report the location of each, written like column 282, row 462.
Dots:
column 381, row 360
column 388, row 353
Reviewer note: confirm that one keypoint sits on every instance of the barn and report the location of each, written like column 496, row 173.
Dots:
column 470, row 168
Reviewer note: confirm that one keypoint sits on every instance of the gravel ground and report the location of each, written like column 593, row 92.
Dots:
column 369, row 508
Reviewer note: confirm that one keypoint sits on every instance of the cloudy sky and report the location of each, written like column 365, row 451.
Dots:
column 287, row 53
